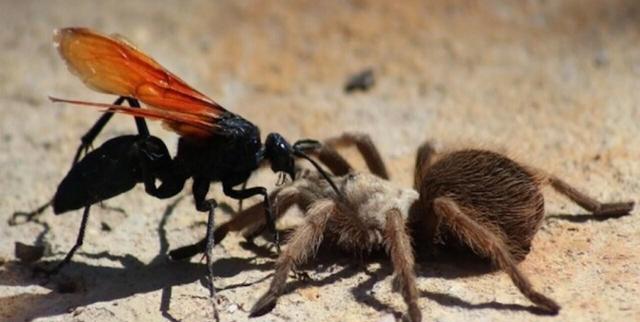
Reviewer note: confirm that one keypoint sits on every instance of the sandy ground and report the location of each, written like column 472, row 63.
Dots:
column 554, row 83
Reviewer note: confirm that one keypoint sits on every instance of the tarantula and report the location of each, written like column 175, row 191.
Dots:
column 476, row 198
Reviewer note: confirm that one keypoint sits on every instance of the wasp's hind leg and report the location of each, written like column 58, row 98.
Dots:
column 72, row 251
column 110, row 170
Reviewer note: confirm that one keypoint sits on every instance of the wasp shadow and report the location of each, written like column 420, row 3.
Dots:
column 84, row 284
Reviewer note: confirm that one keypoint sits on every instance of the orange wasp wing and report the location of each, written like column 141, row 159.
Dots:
column 111, row 65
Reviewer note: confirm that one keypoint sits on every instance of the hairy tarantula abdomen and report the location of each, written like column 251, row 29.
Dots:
column 486, row 202
column 496, row 191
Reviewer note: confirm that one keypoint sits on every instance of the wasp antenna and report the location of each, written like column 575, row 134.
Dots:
column 76, row 102
column 306, row 144
column 322, row 172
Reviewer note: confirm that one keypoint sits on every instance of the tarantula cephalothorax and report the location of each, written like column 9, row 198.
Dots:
column 369, row 213
column 476, row 198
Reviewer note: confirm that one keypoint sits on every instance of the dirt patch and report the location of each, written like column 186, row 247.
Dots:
column 552, row 83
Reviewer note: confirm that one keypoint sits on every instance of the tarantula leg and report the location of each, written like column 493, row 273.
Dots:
column 333, row 160
column 398, row 245
column 238, row 222
column 424, row 158
column 303, row 243
column 588, row 203
column 268, row 212
column 367, row 149
column 487, row 243
column 283, row 199
column 253, row 215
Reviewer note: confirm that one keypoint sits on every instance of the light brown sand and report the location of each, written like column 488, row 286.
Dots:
column 554, row 83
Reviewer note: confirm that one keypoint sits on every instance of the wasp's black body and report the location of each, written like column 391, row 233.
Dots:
column 229, row 157
column 215, row 144
column 106, row 172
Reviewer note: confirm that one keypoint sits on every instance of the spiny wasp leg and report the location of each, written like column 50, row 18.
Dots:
column 210, row 244
column 69, row 255
column 270, row 218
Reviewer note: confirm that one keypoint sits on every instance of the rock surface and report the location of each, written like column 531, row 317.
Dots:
column 553, row 83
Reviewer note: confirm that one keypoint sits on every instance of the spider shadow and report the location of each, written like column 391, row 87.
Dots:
column 82, row 284
column 458, row 264
column 461, row 263
column 582, row 218
column 326, row 260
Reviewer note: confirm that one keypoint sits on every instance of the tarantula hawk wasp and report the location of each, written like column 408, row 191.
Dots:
column 215, row 144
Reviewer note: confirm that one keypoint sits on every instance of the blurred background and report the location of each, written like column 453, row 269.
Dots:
column 551, row 83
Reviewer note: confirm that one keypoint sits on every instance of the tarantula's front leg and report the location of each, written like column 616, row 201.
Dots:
column 282, row 200
column 588, row 203
column 339, row 166
column 365, row 146
column 487, row 243
column 268, row 212
column 398, row 245
column 303, row 243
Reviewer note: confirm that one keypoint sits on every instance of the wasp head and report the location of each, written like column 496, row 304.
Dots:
column 280, row 154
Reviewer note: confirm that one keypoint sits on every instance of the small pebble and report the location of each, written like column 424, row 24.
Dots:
column 105, row 227
column 361, row 81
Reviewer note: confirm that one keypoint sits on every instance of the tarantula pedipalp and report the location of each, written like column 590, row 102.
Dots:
column 477, row 199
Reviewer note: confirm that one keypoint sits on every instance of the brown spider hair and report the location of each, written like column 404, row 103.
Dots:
column 492, row 205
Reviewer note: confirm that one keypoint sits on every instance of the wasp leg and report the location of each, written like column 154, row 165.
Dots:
column 200, row 189
column 141, row 124
column 244, row 186
column 88, row 138
column 156, row 163
column 72, row 251
column 247, row 193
